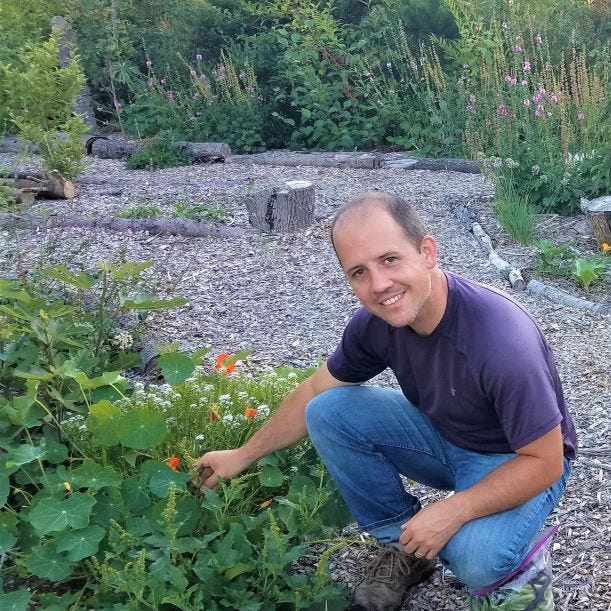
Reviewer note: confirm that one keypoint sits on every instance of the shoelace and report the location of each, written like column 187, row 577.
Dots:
column 382, row 568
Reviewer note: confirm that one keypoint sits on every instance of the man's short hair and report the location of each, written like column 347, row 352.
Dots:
column 400, row 210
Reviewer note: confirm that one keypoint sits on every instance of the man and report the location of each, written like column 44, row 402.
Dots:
column 480, row 412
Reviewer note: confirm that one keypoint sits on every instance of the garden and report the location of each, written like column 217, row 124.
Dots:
column 125, row 355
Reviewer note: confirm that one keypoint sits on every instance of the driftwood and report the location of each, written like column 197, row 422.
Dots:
column 510, row 273
column 564, row 298
column 286, row 208
column 52, row 188
column 161, row 226
column 598, row 212
column 424, row 163
column 119, row 148
column 325, row 160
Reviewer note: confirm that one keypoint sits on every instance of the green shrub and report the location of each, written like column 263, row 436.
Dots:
column 40, row 102
column 514, row 213
column 139, row 211
column 160, row 152
column 199, row 212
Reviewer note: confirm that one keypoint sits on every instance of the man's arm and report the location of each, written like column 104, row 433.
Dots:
column 284, row 428
column 535, row 468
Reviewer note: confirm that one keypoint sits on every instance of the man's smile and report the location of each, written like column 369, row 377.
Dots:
column 393, row 299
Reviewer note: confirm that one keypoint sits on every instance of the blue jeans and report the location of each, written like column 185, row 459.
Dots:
column 368, row 437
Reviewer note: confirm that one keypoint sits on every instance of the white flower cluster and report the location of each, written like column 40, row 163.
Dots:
column 122, row 340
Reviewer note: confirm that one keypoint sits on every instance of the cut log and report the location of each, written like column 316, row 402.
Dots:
column 559, row 296
column 598, row 212
column 323, row 160
column 510, row 273
column 153, row 226
column 119, row 148
column 424, row 163
column 17, row 196
column 52, row 188
column 286, row 208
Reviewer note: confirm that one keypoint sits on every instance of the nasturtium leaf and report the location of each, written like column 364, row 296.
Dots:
column 80, row 543
column 103, row 423
column 109, row 506
column 15, row 601
column 239, row 356
column 188, row 514
column 94, row 476
column 135, row 495
column 211, row 500
column 270, row 476
column 8, row 531
column 138, row 526
column 49, row 515
column 23, row 455
column 142, row 429
column 176, row 367
column 44, row 562
column 160, row 481
column 55, row 452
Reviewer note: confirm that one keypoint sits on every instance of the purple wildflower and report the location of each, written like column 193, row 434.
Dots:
column 539, row 110
column 169, row 95
column 524, row 82
column 526, row 66
column 517, row 48
column 554, row 97
column 526, row 103
column 502, row 111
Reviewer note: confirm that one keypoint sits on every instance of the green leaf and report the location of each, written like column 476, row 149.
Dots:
column 63, row 274
column 93, row 476
column 270, row 476
column 15, row 601
column 142, row 429
column 153, row 304
column 135, row 495
column 50, row 515
column 176, row 367
column 130, row 269
column 80, row 543
column 55, row 452
column 103, row 423
column 160, row 481
column 8, row 531
column 44, row 562
column 238, row 569
column 5, row 488
column 24, row 454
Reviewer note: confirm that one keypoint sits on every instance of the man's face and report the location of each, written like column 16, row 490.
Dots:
column 389, row 275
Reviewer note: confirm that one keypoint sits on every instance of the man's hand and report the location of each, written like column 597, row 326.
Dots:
column 223, row 464
column 431, row 528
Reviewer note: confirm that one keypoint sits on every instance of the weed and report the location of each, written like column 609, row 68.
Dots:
column 514, row 213
column 199, row 212
column 139, row 211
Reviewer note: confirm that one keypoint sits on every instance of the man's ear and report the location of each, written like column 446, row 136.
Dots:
column 428, row 248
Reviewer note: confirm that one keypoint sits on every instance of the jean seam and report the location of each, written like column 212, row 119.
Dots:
column 399, row 518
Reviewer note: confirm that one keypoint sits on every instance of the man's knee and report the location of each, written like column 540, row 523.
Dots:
column 323, row 410
column 477, row 559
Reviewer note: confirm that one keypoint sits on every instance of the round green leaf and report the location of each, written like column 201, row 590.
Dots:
column 55, row 452
column 49, row 515
column 160, row 481
column 176, row 367
column 15, row 601
column 44, row 562
column 135, row 495
column 5, row 488
column 270, row 476
column 80, row 543
column 23, row 455
column 7, row 540
column 93, row 476
column 102, row 423
column 142, row 429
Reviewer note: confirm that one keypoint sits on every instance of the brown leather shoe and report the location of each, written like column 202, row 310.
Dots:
column 387, row 579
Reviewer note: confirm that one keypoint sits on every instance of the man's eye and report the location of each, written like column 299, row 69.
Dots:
column 357, row 273
column 390, row 259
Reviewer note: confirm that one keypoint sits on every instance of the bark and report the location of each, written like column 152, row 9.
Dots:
column 284, row 208
column 119, row 148
column 325, row 160
column 598, row 212
column 564, row 298
column 510, row 273
column 52, row 188
column 423, row 163
column 17, row 196
column 183, row 227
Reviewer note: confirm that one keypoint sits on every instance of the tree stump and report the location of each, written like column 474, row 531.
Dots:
column 282, row 209
column 598, row 212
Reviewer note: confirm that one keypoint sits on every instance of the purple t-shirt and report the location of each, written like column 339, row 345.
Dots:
column 485, row 377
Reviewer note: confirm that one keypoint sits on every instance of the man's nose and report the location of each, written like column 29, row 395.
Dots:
column 380, row 281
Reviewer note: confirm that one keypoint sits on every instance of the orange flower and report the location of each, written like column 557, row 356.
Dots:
column 265, row 504
column 214, row 417
column 250, row 412
column 173, row 462
column 220, row 359
column 606, row 247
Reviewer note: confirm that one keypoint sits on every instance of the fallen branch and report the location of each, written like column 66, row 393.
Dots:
column 510, row 273
column 559, row 296
column 424, row 163
column 324, row 160
column 161, row 226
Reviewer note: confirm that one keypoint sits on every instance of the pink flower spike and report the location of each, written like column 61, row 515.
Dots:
column 526, row 102
column 526, row 66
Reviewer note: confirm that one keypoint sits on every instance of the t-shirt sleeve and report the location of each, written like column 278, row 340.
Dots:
column 360, row 354
column 520, row 383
